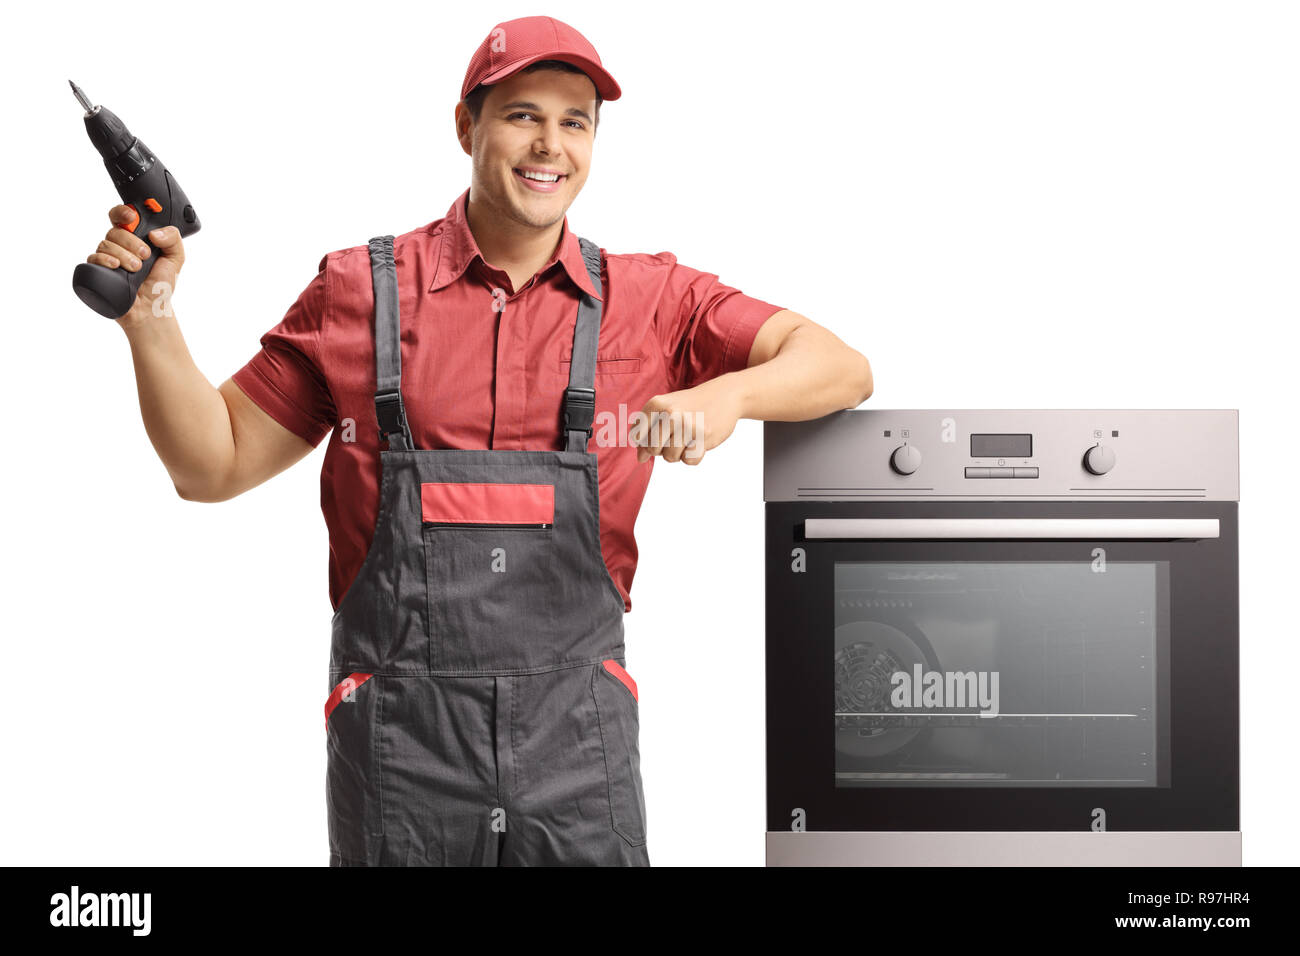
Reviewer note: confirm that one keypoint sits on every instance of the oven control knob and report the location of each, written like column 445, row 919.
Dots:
column 905, row 460
column 1099, row 459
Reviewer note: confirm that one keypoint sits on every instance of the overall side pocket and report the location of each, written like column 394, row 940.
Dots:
column 352, row 788
column 615, row 696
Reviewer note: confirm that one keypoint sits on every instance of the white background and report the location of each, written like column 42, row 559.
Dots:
column 1003, row 205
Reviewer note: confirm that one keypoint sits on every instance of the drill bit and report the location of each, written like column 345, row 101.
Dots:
column 81, row 98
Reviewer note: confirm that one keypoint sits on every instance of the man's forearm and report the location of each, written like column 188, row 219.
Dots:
column 812, row 375
column 185, row 417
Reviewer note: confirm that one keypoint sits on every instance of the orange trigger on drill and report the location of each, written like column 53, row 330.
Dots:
column 134, row 221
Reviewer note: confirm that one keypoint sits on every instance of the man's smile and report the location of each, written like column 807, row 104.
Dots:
column 539, row 178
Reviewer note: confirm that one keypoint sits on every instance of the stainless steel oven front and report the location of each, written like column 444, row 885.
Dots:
column 1002, row 637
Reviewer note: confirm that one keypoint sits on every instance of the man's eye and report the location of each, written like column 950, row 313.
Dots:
column 576, row 123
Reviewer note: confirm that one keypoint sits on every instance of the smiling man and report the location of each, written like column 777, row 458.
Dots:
column 480, row 511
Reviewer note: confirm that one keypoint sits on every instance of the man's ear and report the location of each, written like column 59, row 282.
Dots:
column 465, row 127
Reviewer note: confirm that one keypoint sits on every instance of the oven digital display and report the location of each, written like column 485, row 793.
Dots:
column 999, row 673
column 1002, row 446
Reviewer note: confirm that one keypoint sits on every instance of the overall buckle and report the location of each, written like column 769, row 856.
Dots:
column 391, row 413
column 579, row 408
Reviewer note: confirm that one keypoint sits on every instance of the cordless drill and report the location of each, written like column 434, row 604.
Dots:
column 154, row 196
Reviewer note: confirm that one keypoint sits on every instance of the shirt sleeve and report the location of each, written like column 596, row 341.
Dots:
column 706, row 328
column 285, row 378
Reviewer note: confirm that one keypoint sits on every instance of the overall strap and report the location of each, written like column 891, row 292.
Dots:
column 580, row 396
column 388, row 348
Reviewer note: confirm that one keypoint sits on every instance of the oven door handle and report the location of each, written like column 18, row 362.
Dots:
column 1091, row 529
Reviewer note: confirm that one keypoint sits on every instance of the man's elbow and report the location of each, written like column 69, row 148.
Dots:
column 207, row 494
column 866, row 383
column 186, row 493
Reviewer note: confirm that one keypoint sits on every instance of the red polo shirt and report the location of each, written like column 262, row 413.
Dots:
column 479, row 376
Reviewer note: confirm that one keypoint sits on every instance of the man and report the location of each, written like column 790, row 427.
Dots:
column 481, row 548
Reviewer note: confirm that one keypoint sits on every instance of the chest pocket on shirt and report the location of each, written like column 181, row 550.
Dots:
column 606, row 363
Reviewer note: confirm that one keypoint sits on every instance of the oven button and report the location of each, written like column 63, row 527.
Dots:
column 1025, row 472
column 905, row 460
column 977, row 472
column 1002, row 472
column 1099, row 459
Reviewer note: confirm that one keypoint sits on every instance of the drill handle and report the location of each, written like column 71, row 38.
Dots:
column 112, row 292
column 158, row 201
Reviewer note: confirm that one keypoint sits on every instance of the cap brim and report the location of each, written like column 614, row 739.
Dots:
column 605, row 85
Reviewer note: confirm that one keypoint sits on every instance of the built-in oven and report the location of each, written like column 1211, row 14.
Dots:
column 1002, row 637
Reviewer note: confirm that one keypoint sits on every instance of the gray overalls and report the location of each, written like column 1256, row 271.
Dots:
column 479, row 710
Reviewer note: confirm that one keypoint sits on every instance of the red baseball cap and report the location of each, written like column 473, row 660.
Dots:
column 515, row 44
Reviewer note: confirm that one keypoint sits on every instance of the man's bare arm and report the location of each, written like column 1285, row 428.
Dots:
column 215, row 443
column 798, row 370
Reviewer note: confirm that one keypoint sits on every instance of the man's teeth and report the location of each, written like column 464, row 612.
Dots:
column 540, row 177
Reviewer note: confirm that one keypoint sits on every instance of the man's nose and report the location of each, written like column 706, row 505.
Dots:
column 548, row 138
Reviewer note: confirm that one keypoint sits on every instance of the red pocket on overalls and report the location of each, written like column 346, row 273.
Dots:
column 498, row 586
column 623, row 676
column 491, row 504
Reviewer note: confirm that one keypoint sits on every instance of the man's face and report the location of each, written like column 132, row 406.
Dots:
column 541, row 123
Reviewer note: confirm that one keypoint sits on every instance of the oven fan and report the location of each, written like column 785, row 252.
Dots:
column 867, row 654
column 862, row 678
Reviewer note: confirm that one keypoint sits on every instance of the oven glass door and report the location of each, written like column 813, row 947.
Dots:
column 997, row 673
column 1020, row 666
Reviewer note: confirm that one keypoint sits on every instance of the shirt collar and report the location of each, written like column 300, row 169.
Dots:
column 458, row 249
